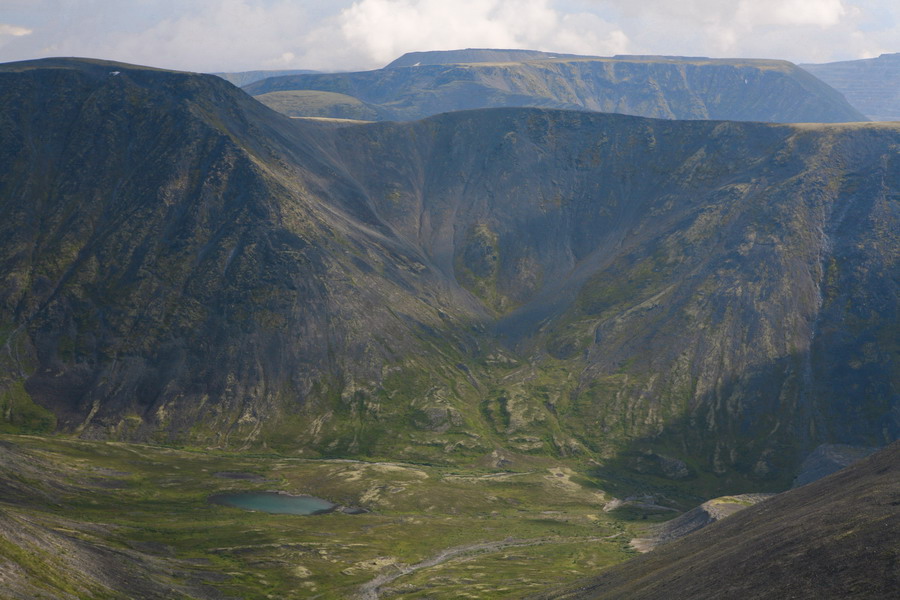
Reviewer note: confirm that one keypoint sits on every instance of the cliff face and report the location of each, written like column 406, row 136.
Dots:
column 659, row 87
column 181, row 263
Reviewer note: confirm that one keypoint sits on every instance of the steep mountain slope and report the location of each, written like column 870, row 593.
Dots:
column 177, row 258
column 835, row 538
column 872, row 85
column 181, row 263
column 650, row 86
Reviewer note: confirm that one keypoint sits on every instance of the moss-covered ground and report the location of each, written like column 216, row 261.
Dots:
column 481, row 532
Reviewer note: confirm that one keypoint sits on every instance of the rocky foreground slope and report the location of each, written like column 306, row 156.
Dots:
column 428, row 83
column 182, row 264
column 835, row 538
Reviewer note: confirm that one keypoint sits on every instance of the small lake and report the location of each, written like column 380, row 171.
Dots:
column 273, row 502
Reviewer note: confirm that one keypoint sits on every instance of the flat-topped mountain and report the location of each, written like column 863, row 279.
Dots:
column 650, row 86
column 474, row 55
column 182, row 264
column 871, row 85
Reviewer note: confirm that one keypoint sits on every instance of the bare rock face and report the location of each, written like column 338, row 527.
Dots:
column 181, row 263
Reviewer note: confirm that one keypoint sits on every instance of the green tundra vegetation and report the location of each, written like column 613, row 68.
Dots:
column 107, row 519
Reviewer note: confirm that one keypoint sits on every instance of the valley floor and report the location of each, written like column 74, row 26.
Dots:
column 108, row 520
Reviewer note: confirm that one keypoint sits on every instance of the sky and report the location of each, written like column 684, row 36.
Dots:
column 332, row 35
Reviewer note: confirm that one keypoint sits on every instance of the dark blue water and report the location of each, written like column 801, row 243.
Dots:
column 273, row 502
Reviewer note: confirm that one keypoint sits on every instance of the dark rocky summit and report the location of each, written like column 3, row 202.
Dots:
column 179, row 263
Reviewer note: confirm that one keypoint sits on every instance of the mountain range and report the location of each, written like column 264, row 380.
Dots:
column 422, row 84
column 681, row 299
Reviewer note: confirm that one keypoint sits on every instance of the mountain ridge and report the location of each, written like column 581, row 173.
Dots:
column 334, row 291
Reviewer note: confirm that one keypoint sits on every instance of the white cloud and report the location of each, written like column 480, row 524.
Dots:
column 822, row 13
column 201, row 35
column 214, row 35
column 381, row 30
column 223, row 34
column 797, row 30
column 14, row 30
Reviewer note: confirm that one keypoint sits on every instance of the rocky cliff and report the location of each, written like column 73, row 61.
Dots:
column 179, row 259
